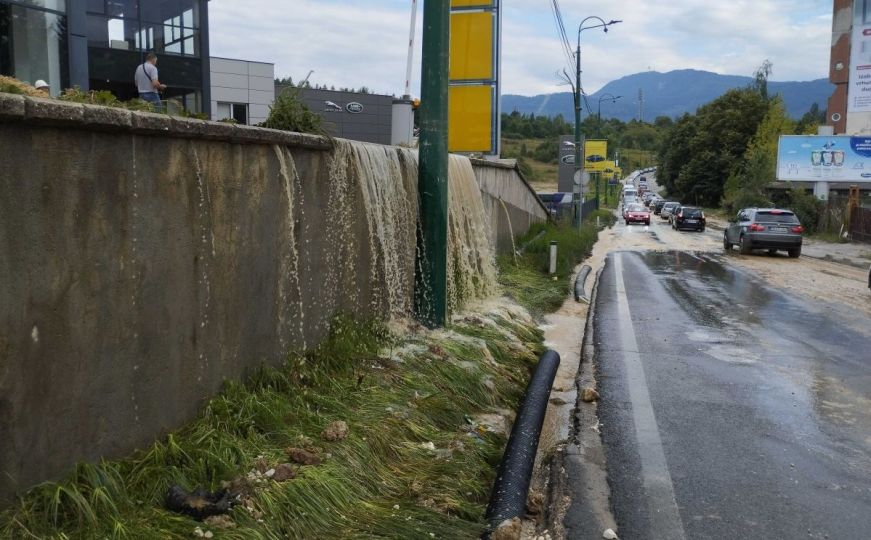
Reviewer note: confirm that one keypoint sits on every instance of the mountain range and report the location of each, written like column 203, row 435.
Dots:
column 668, row 94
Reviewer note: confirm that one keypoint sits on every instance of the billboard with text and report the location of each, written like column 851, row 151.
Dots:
column 817, row 158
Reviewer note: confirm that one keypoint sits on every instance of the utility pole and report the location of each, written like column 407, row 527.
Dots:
column 641, row 105
column 431, row 276
column 579, row 173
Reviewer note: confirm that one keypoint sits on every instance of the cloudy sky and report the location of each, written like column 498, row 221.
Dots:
column 353, row 43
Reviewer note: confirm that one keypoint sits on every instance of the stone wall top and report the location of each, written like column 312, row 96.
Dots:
column 53, row 112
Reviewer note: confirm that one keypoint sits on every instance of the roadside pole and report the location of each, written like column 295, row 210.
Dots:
column 431, row 287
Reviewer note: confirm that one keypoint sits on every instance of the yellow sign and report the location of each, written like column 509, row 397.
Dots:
column 471, row 3
column 596, row 155
column 471, row 46
column 473, row 104
column 470, row 118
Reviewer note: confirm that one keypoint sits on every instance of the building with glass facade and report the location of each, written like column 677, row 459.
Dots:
column 97, row 45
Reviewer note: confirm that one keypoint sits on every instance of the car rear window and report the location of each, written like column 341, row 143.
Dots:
column 637, row 208
column 691, row 212
column 778, row 217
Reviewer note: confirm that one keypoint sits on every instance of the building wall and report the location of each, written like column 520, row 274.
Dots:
column 374, row 123
column 839, row 66
column 242, row 82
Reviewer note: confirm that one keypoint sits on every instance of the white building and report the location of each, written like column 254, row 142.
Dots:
column 241, row 89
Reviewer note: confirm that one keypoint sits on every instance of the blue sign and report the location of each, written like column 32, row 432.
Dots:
column 820, row 158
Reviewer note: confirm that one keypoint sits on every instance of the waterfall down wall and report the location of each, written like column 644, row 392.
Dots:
column 145, row 259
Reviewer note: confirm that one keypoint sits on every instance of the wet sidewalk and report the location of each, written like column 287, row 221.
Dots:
column 855, row 254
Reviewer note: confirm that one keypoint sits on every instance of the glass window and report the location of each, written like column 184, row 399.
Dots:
column 55, row 5
column 113, row 32
column 123, row 8
column 240, row 113
column 33, row 45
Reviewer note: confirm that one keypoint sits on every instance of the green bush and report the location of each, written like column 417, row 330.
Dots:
column 289, row 113
column 807, row 207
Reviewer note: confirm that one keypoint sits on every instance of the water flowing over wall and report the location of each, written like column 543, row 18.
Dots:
column 145, row 259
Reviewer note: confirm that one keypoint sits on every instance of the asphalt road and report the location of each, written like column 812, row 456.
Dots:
column 730, row 408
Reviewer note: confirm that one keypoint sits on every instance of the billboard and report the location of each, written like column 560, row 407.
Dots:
column 596, row 155
column 473, row 97
column 819, row 158
column 859, row 91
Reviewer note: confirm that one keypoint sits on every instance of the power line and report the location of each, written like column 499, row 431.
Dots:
column 561, row 31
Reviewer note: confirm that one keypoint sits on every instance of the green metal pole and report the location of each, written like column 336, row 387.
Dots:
column 431, row 288
column 580, row 188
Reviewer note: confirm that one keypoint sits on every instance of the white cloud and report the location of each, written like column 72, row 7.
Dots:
column 354, row 43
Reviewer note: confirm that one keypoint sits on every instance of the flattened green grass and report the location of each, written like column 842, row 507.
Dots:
column 526, row 279
column 383, row 481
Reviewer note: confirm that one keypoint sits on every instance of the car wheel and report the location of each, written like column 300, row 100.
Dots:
column 744, row 245
column 794, row 253
column 726, row 244
column 701, row 229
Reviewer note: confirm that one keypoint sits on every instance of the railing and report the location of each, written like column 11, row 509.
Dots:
column 860, row 224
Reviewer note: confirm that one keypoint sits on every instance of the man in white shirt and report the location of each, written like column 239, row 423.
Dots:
column 147, row 82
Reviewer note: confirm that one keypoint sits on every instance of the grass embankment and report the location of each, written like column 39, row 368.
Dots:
column 415, row 463
column 526, row 278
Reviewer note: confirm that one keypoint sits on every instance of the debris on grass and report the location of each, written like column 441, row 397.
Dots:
column 431, row 396
column 335, row 431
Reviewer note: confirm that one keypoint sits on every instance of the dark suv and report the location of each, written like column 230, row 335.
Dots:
column 688, row 217
column 764, row 228
column 657, row 206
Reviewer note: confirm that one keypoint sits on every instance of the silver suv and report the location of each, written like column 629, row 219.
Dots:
column 764, row 228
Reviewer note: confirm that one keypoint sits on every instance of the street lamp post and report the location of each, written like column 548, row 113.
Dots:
column 600, row 23
column 603, row 97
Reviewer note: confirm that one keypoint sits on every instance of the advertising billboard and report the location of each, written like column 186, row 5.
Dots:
column 816, row 158
column 596, row 155
column 473, row 97
column 859, row 91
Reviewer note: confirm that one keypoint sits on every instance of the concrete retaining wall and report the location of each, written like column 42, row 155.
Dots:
column 511, row 204
column 144, row 259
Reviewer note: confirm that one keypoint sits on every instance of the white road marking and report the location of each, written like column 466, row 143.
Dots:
column 665, row 519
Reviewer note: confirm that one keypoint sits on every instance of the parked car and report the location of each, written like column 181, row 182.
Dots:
column 667, row 208
column 657, row 206
column 688, row 217
column 765, row 228
column 636, row 213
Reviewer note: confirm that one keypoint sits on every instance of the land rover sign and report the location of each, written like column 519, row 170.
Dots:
column 354, row 107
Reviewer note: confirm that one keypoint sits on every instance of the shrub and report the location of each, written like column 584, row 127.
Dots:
column 289, row 113
column 807, row 207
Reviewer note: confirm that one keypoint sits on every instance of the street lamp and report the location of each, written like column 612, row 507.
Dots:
column 603, row 97
column 613, row 99
column 600, row 23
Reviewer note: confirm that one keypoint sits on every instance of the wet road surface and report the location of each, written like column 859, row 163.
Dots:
column 730, row 409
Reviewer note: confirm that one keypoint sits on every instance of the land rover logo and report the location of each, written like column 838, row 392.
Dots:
column 354, row 107
column 568, row 159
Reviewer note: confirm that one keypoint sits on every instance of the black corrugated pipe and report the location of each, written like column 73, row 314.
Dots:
column 508, row 499
column 579, row 284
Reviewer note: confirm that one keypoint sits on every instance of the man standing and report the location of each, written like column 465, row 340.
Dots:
column 147, row 82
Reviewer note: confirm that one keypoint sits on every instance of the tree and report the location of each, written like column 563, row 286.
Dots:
column 748, row 183
column 701, row 151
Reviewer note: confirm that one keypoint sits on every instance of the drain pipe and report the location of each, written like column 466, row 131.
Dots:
column 579, row 284
column 508, row 499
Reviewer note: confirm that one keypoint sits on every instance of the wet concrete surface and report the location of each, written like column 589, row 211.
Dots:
column 761, row 401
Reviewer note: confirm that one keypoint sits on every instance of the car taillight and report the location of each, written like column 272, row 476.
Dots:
column 797, row 229
column 680, row 216
column 756, row 227
column 703, row 215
